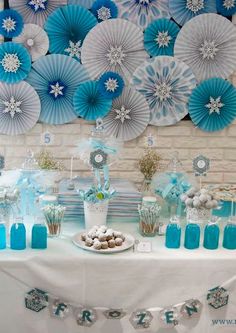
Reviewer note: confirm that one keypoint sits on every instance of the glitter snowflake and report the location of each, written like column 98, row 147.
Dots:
column 104, row 13
column 208, row 50
column 74, row 49
column 115, row 55
column 36, row 300
column 163, row 39
column 111, row 84
column 9, row 24
column 228, row 4
column 162, row 91
column 122, row 114
column 11, row 62
column 214, row 105
column 38, row 4
column 12, row 106
column 56, row 89
column 195, row 5
column 218, row 297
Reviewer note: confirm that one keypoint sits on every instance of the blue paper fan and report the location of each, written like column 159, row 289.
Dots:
column 55, row 77
column 160, row 36
column 110, row 85
column 183, row 10
column 11, row 23
column 84, row 3
column 67, row 28
column 212, row 105
column 226, row 7
column 15, row 62
column 89, row 103
column 104, row 10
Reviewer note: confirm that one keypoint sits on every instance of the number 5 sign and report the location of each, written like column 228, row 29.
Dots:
column 47, row 138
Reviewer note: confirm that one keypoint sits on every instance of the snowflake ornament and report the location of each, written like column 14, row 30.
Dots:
column 214, row 105
column 218, row 297
column 56, row 89
column 11, row 62
column 74, row 49
column 162, row 91
column 38, row 5
column 12, row 107
column 208, row 50
column 122, row 114
column 104, row 13
column 195, row 5
column 111, row 85
column 228, row 4
column 163, row 39
column 36, row 300
column 115, row 55
column 9, row 24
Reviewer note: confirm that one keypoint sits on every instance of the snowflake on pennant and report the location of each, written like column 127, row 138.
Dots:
column 38, row 5
column 228, row 4
column 111, row 84
column 195, row 5
column 115, row 55
column 9, row 24
column 36, row 300
column 122, row 114
column 163, row 39
column 74, row 49
column 11, row 62
column 12, row 107
column 214, row 105
column 218, row 297
column 104, row 13
column 56, row 89
column 208, row 50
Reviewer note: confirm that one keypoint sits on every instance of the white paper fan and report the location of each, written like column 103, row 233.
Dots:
column 207, row 43
column 19, row 108
column 35, row 39
column 128, row 117
column 114, row 45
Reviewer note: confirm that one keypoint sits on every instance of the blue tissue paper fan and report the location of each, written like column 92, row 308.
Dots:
column 89, row 103
column 15, row 62
column 55, row 77
column 11, row 23
column 226, row 7
column 110, row 85
column 67, row 28
column 212, row 105
column 84, row 3
column 182, row 11
column 104, row 10
column 160, row 36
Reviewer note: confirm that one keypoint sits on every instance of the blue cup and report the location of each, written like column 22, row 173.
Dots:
column 173, row 236
column 2, row 236
column 192, row 236
column 211, row 236
column 229, row 241
column 39, row 236
column 18, row 236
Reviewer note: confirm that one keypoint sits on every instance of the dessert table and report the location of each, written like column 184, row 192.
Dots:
column 130, row 280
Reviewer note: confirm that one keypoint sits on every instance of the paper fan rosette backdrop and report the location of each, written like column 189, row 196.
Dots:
column 55, row 77
column 207, row 43
column 19, row 108
column 110, row 85
column 104, row 10
column 166, row 83
column 114, row 45
column 226, row 7
column 212, row 105
column 128, row 117
column 35, row 39
column 67, row 27
column 11, row 23
column 84, row 3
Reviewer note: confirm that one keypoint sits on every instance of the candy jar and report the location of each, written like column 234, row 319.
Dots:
column 211, row 235
column 18, row 235
column 229, row 241
column 149, row 213
column 192, row 236
column 173, row 234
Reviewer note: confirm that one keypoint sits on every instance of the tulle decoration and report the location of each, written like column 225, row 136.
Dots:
column 19, row 108
column 36, row 11
column 143, row 12
column 34, row 39
column 67, row 28
column 207, row 43
column 11, row 23
column 104, row 10
column 166, row 83
column 84, row 3
column 55, row 77
column 128, row 117
column 15, row 62
column 226, row 7
column 184, row 10
column 89, row 103
column 110, row 85
column 212, row 105
column 160, row 36
column 114, row 45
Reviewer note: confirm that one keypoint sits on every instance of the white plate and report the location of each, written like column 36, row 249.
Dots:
column 127, row 244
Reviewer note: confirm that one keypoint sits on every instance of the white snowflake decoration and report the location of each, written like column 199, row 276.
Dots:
column 9, row 24
column 162, row 91
column 74, row 49
column 56, row 89
column 228, row 4
column 12, row 107
column 38, row 4
column 195, row 5
column 11, row 63
column 163, row 39
column 104, row 13
column 208, row 50
column 111, row 84
column 115, row 55
column 122, row 114
column 214, row 105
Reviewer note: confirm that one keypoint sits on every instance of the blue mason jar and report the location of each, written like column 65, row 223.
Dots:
column 192, row 236
column 229, row 241
column 173, row 234
column 211, row 235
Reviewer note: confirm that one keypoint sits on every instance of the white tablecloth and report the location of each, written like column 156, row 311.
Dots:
column 128, row 280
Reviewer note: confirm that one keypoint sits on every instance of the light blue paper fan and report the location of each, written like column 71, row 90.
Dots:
column 67, row 28
column 84, row 3
column 55, row 77
column 89, row 103
column 212, row 105
column 15, row 62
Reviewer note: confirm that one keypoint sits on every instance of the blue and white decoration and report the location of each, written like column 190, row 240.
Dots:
column 160, row 36
column 84, row 3
column 86, row 317
column 141, row 319
column 218, row 297
column 104, row 10
column 11, row 23
column 191, row 309
column 36, row 300
column 166, row 83
column 226, row 7
column 114, row 314
column 59, row 309
column 110, row 85
column 169, row 317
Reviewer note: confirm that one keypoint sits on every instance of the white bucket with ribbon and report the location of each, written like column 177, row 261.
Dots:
column 95, row 213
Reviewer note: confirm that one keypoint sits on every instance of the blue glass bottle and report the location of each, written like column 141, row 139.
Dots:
column 18, row 236
column 2, row 236
column 192, row 236
column 229, row 241
column 173, row 234
column 211, row 235
column 39, row 236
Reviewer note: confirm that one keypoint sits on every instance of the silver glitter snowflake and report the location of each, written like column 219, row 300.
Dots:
column 163, row 39
column 195, row 5
column 74, row 49
column 214, row 105
column 38, row 4
column 56, row 89
column 218, row 297
column 115, row 55
column 111, row 84
column 104, row 13
column 12, row 106
column 9, row 24
column 122, row 114
column 162, row 91
column 208, row 50
column 11, row 62
column 228, row 4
